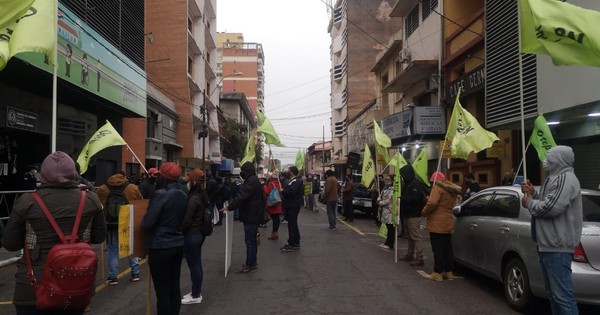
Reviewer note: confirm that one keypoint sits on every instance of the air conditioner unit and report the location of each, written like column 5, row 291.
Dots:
column 405, row 55
column 159, row 118
column 434, row 81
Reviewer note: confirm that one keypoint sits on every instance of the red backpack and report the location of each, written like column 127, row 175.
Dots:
column 70, row 270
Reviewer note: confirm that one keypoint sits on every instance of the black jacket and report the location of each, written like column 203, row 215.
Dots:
column 293, row 193
column 164, row 218
column 194, row 214
column 250, row 200
column 414, row 194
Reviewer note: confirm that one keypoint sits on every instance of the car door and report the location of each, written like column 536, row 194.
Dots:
column 495, row 227
column 465, row 226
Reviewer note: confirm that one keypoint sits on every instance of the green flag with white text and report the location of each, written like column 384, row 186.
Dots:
column 250, row 152
column 106, row 136
column 420, row 166
column 566, row 32
column 368, row 169
column 541, row 137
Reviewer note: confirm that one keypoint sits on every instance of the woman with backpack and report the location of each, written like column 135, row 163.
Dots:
column 194, row 232
column 28, row 223
column 273, row 193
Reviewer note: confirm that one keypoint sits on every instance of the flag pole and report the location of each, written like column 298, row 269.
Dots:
column 135, row 156
column 55, row 80
column 524, row 160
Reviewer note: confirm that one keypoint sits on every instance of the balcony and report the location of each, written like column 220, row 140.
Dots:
column 208, row 39
column 210, row 74
column 209, row 9
column 416, row 71
column 154, row 149
column 194, row 9
column 194, row 87
column 402, row 7
column 193, row 45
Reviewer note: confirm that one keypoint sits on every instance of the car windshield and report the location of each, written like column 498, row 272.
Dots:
column 591, row 208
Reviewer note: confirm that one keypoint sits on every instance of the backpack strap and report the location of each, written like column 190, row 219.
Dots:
column 69, row 239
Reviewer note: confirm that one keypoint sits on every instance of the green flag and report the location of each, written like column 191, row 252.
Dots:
column 368, row 169
column 104, row 137
column 250, row 152
column 567, row 33
column 420, row 166
column 380, row 137
column 383, row 230
column 299, row 160
column 398, row 159
column 266, row 128
column 27, row 25
column 541, row 137
column 466, row 134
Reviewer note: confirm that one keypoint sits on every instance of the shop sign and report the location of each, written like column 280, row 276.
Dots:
column 496, row 150
column 429, row 120
column 21, row 119
column 397, row 125
column 468, row 83
column 88, row 61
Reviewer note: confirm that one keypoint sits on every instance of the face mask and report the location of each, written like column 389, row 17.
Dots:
column 388, row 183
column 545, row 164
column 243, row 175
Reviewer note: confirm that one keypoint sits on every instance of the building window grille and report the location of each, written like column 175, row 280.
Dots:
column 427, row 8
column 411, row 21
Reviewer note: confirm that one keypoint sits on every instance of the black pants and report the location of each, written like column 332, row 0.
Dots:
column 293, row 231
column 348, row 210
column 443, row 257
column 165, row 267
column 391, row 235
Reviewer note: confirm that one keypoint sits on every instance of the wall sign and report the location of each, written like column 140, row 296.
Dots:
column 21, row 119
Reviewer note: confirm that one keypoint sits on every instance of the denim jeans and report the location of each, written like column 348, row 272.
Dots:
column 251, row 247
column 293, row 231
column 165, row 268
column 276, row 221
column 193, row 257
column 112, row 243
column 556, row 269
column 331, row 208
column 311, row 201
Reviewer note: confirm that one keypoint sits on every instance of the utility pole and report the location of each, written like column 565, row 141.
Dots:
column 204, row 132
column 323, row 154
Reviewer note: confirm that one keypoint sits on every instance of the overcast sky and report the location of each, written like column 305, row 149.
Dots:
column 296, row 46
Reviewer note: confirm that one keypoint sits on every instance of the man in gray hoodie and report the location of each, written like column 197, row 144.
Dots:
column 556, row 224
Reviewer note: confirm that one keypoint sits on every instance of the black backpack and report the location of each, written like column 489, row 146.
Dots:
column 116, row 198
column 207, row 222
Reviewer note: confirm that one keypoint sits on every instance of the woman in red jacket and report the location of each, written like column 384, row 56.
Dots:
column 274, row 208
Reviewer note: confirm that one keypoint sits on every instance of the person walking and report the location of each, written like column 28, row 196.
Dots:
column 440, row 224
column 292, row 201
column 251, row 202
column 193, row 221
column 316, row 189
column 273, row 209
column 385, row 205
column 556, row 225
column 164, row 239
column 148, row 185
column 330, row 196
column 412, row 200
column 116, row 192
column 60, row 193
column 347, row 197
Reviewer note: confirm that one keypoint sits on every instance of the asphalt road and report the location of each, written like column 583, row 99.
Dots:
column 335, row 272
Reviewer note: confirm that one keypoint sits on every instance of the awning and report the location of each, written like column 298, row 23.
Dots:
column 416, row 71
column 174, row 144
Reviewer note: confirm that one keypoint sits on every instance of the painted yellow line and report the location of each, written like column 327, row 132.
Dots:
column 359, row 232
column 99, row 287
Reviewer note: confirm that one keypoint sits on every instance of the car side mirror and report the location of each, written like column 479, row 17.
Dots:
column 456, row 211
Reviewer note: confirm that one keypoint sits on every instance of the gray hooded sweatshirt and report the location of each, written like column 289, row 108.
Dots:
column 556, row 208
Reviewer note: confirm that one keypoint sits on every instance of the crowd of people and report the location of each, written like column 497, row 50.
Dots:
column 182, row 209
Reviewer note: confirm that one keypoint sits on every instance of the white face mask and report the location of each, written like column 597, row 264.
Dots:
column 545, row 164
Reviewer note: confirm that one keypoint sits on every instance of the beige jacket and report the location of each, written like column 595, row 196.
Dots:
column 438, row 209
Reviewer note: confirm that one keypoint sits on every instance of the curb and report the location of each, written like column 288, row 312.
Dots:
column 9, row 261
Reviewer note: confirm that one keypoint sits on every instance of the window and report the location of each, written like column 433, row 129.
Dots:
column 151, row 124
column 190, row 65
column 427, row 7
column 504, row 205
column 591, row 208
column 411, row 21
column 476, row 205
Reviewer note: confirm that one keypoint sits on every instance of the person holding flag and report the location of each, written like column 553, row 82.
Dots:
column 385, row 204
column 440, row 224
column 412, row 200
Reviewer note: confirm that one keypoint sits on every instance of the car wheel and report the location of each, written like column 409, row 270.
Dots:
column 516, row 285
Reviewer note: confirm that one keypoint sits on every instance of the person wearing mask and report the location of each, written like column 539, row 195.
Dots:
column 292, row 195
column 118, row 184
column 191, row 227
column 472, row 186
column 164, row 239
column 347, row 197
column 440, row 224
column 30, row 178
column 330, row 196
column 148, row 185
column 556, row 225
column 316, row 189
column 274, row 210
column 60, row 193
column 412, row 200
column 385, row 205
column 251, row 202
column 284, row 179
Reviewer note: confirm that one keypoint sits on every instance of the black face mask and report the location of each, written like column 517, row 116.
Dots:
column 243, row 175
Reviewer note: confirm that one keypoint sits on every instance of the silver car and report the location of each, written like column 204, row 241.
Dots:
column 492, row 236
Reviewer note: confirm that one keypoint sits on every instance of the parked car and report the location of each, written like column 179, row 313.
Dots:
column 492, row 236
column 362, row 199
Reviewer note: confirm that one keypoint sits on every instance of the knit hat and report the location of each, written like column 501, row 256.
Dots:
column 152, row 170
column 170, row 171
column 57, row 168
column 437, row 176
column 195, row 175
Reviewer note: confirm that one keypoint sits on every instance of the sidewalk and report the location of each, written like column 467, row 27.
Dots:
column 7, row 258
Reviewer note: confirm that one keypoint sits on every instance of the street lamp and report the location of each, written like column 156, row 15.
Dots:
column 206, row 117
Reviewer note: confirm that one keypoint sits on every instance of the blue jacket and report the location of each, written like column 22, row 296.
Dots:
column 164, row 218
column 293, row 193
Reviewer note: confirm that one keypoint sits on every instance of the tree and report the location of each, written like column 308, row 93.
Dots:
column 235, row 135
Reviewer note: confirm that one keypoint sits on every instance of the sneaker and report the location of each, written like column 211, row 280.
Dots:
column 262, row 226
column 287, row 248
column 284, row 222
column 188, row 299
column 332, row 228
column 247, row 269
column 112, row 281
column 135, row 278
column 417, row 263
